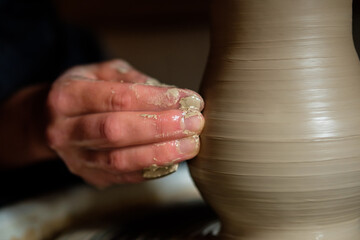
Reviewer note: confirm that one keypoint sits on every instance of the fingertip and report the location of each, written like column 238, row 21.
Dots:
column 191, row 100
column 194, row 122
column 189, row 147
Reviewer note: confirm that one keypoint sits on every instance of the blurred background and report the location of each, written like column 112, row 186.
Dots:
column 166, row 39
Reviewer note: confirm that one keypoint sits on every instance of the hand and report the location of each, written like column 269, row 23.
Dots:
column 107, row 124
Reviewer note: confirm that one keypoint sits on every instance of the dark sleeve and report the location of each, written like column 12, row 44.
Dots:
column 36, row 47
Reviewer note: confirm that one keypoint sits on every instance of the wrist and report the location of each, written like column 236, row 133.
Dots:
column 22, row 128
column 38, row 147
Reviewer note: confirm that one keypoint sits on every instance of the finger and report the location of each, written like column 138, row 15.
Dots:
column 120, row 71
column 131, row 159
column 102, row 179
column 113, row 130
column 114, row 70
column 84, row 97
column 77, row 163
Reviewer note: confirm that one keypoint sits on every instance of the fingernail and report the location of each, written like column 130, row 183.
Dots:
column 192, row 102
column 156, row 171
column 193, row 121
column 188, row 145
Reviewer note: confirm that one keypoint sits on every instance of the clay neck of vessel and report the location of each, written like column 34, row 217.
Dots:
column 250, row 24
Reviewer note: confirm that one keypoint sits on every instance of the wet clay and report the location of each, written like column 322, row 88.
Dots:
column 155, row 171
column 280, row 153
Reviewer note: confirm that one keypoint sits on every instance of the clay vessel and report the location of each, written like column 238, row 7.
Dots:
column 280, row 153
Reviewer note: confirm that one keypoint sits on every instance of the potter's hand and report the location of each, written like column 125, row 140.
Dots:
column 107, row 125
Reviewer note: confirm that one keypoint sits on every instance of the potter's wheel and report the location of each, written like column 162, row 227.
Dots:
column 186, row 221
column 167, row 208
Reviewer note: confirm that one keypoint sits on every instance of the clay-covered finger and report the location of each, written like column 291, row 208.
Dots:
column 84, row 97
column 122, row 129
column 102, row 179
column 120, row 71
column 116, row 70
column 137, row 158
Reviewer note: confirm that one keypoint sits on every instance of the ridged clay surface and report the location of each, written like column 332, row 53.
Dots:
column 280, row 153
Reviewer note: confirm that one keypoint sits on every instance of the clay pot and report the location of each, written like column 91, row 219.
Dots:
column 280, row 153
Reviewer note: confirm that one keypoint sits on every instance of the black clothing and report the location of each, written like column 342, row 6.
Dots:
column 36, row 47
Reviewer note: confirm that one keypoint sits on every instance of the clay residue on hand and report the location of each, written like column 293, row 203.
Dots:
column 154, row 82
column 155, row 171
column 165, row 100
column 173, row 93
column 150, row 116
column 123, row 69
column 190, row 133
column 169, row 134
column 172, row 97
column 191, row 106
column 160, row 144
column 195, row 139
column 190, row 103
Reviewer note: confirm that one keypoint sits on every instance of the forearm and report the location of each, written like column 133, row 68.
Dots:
column 22, row 127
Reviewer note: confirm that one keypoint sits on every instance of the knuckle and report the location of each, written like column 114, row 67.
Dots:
column 160, row 128
column 109, row 129
column 57, row 100
column 116, row 162
column 119, row 102
column 156, row 151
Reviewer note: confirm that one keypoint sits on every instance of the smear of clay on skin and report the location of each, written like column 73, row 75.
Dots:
column 191, row 106
column 191, row 113
column 197, row 141
column 160, row 144
column 171, row 97
column 190, row 103
column 123, row 69
column 173, row 93
column 153, row 116
column 81, row 78
column 132, row 87
column 154, row 82
column 155, row 171
column 187, row 132
column 163, row 100
column 169, row 134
